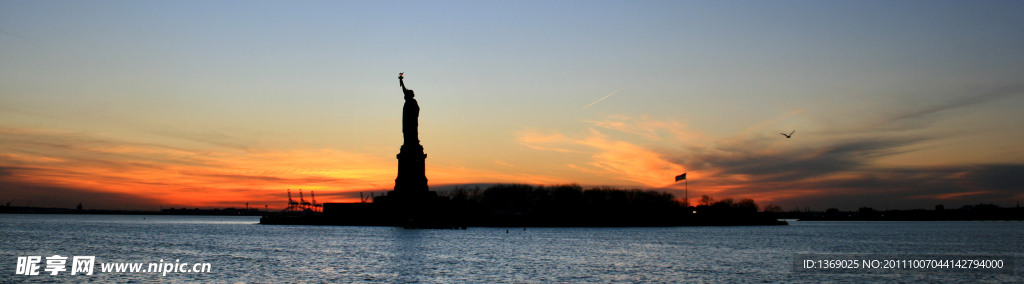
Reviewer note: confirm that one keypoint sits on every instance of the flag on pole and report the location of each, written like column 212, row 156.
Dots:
column 681, row 177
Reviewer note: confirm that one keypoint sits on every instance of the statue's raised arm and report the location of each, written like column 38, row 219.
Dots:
column 408, row 93
column 400, row 81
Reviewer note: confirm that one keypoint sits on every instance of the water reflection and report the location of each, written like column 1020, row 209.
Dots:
column 407, row 259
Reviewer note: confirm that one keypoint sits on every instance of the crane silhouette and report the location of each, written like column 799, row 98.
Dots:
column 788, row 135
column 292, row 205
column 303, row 204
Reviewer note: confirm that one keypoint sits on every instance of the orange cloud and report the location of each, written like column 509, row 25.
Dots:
column 619, row 159
column 650, row 128
column 223, row 176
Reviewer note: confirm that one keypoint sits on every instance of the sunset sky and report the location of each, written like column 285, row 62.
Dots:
column 142, row 104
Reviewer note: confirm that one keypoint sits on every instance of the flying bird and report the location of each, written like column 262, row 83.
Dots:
column 788, row 135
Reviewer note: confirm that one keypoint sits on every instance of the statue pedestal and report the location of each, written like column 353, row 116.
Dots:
column 412, row 179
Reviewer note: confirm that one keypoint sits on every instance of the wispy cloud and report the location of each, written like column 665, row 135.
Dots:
column 10, row 34
column 648, row 127
column 601, row 99
column 970, row 100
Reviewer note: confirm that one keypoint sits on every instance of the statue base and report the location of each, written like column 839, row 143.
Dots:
column 412, row 179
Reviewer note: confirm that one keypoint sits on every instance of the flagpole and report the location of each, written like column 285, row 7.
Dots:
column 686, row 185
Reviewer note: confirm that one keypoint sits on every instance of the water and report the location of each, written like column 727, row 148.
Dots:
column 239, row 250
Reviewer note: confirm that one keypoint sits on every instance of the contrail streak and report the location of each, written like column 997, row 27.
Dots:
column 605, row 97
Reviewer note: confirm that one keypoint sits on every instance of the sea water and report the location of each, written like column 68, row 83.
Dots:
column 238, row 249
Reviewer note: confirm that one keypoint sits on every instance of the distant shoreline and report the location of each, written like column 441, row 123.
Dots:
column 182, row 211
column 979, row 212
